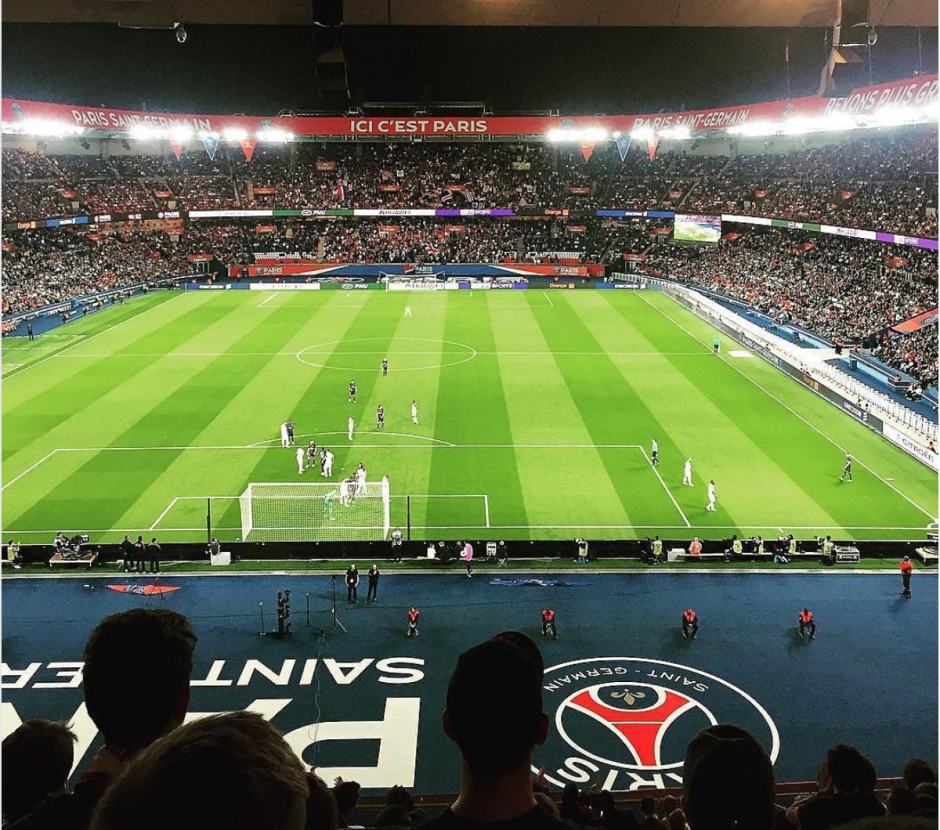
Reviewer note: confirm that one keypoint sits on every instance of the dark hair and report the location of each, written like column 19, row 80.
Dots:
column 399, row 795
column 901, row 802
column 494, row 740
column 37, row 759
column 727, row 780
column 648, row 805
column 346, row 794
column 321, row 806
column 916, row 771
column 394, row 815
column 137, row 666
column 846, row 768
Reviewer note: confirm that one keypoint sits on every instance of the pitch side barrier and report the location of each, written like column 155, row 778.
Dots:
column 713, row 551
column 824, row 380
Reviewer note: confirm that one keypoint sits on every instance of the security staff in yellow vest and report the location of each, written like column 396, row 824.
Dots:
column 658, row 549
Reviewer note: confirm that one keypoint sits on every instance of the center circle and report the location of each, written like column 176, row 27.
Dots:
column 365, row 359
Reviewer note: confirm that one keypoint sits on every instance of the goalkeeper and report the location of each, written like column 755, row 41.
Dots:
column 328, row 505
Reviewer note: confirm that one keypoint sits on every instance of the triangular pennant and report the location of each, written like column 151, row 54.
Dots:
column 248, row 147
column 587, row 147
column 177, row 146
column 651, row 144
column 623, row 144
column 211, row 143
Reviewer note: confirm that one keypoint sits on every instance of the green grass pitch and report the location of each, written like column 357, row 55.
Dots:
column 536, row 412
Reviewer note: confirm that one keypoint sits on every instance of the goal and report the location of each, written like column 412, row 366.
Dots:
column 315, row 512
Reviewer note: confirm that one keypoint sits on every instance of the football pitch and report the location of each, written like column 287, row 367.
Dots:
column 536, row 412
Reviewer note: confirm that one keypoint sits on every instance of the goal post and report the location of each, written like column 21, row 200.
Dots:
column 315, row 512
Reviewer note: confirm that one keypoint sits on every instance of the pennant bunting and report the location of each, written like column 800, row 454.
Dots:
column 211, row 143
column 248, row 147
column 587, row 147
column 651, row 144
column 623, row 144
column 177, row 147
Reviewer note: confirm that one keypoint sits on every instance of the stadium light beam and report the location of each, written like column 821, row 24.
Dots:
column 642, row 133
column 680, row 133
column 275, row 135
column 235, row 134
column 43, row 127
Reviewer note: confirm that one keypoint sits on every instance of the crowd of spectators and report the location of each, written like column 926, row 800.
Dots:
column 847, row 289
column 237, row 771
column 883, row 181
column 914, row 353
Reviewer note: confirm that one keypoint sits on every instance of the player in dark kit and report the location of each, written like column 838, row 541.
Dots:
column 413, row 614
column 689, row 623
column 384, row 366
column 290, row 431
column 548, row 622
column 352, row 391
column 807, row 623
column 312, row 455
column 380, row 418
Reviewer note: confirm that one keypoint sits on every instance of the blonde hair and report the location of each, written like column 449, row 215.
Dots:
column 234, row 771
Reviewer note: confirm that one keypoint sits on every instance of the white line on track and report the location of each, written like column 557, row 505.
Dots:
column 545, row 295
column 89, row 339
column 793, row 412
column 668, row 491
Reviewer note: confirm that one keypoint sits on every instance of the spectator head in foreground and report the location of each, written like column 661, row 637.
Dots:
column 917, row 771
column 727, row 781
column 136, row 676
column 346, row 794
column 37, row 760
column 234, row 771
column 496, row 741
column 321, row 806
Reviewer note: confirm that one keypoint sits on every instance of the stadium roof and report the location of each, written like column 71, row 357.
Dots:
column 721, row 13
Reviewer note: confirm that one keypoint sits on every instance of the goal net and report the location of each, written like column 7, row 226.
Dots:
column 301, row 512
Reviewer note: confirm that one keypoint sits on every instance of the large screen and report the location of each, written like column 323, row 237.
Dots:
column 691, row 228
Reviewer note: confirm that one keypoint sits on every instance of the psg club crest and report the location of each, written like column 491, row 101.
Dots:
column 627, row 720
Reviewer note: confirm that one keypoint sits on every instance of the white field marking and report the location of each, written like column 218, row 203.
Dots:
column 10, row 367
column 545, row 295
column 160, row 517
column 88, row 339
column 265, row 302
column 486, row 507
column 396, row 434
column 29, row 469
column 795, row 413
column 668, row 491
column 494, row 527
column 740, row 354
column 124, row 355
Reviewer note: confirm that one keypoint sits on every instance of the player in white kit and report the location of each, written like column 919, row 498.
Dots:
column 351, row 425
column 414, row 412
column 712, row 496
column 328, row 464
column 285, row 440
column 301, row 460
column 687, row 473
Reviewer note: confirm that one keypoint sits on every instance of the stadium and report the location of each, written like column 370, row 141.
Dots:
column 555, row 367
